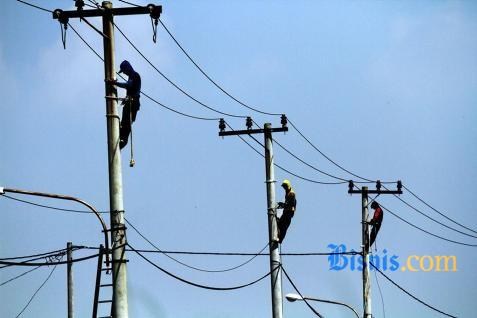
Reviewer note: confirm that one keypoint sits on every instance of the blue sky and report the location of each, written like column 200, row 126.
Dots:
column 387, row 89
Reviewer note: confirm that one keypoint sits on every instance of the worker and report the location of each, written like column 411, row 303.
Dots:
column 288, row 207
column 130, row 103
column 375, row 222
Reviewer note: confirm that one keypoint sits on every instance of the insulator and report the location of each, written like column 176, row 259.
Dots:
column 350, row 185
column 249, row 123
column 399, row 185
column 222, row 124
column 284, row 121
column 378, row 185
column 154, row 11
column 79, row 4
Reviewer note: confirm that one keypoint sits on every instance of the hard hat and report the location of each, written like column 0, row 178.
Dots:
column 286, row 183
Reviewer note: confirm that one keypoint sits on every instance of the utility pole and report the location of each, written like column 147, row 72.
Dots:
column 275, row 261
column 364, row 191
column 69, row 278
column 118, row 230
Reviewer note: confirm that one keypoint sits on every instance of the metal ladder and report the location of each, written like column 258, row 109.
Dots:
column 103, row 271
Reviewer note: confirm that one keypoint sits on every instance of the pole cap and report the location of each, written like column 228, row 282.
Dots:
column 2, row 190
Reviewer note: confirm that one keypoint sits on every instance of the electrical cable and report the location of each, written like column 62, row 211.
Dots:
column 284, row 169
column 49, row 206
column 299, row 293
column 142, row 92
column 171, row 82
column 425, row 231
column 199, row 285
column 57, row 252
column 409, row 294
column 193, row 267
column 36, row 292
column 34, row 6
column 440, row 213
column 236, row 253
column 432, row 219
column 26, row 263
column 210, row 79
column 18, row 276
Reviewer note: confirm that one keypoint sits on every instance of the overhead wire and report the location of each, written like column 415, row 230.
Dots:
column 299, row 293
column 425, row 231
column 190, row 266
column 409, row 294
column 431, row 218
column 142, row 92
column 49, row 206
column 36, row 292
column 34, row 6
column 434, row 209
column 173, row 83
column 19, row 276
column 28, row 263
column 196, row 284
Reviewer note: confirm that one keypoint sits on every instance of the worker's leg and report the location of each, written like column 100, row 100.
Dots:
column 125, row 127
column 374, row 233
column 283, row 224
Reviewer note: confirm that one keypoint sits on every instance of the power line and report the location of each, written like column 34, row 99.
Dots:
column 440, row 213
column 142, row 92
column 409, row 294
column 193, row 267
column 42, row 255
column 49, row 206
column 299, row 293
column 195, row 284
column 284, row 169
column 18, row 276
column 36, row 292
column 425, row 231
column 432, row 219
column 171, row 82
column 35, row 6
column 28, row 263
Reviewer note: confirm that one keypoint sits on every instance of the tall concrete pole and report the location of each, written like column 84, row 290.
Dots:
column 365, row 242
column 118, row 237
column 275, row 262
column 69, row 278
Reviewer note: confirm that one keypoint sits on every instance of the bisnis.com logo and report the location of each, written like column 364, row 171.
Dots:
column 385, row 261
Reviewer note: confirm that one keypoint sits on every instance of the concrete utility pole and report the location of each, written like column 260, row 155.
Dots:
column 69, row 278
column 275, row 261
column 367, row 308
column 118, row 230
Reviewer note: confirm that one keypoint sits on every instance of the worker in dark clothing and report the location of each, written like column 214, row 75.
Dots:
column 375, row 222
column 130, row 103
column 288, row 207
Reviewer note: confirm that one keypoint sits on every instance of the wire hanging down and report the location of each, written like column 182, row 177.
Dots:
column 199, row 285
column 425, row 231
column 193, row 267
column 36, row 292
column 409, row 294
column 19, row 276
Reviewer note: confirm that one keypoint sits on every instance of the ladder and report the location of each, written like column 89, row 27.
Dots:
column 103, row 272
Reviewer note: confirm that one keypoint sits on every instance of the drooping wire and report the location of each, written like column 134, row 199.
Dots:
column 284, row 169
column 19, row 276
column 49, row 206
column 194, row 267
column 409, row 294
column 49, row 263
column 142, row 92
column 209, row 78
column 40, row 255
column 36, row 292
column 34, row 6
column 196, row 284
column 425, row 231
column 171, row 82
column 440, row 213
column 431, row 218
column 299, row 293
